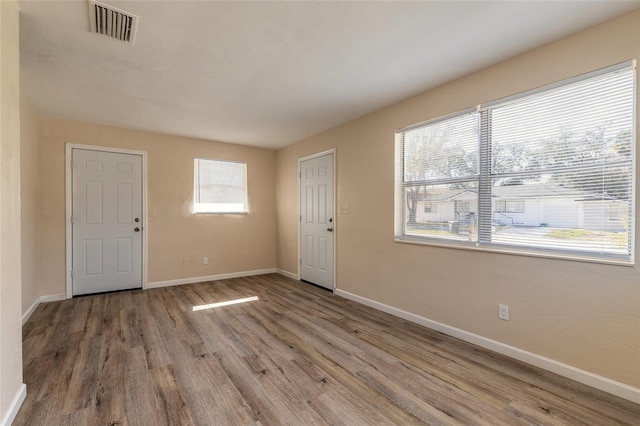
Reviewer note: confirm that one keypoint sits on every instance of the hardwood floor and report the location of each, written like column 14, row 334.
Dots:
column 299, row 355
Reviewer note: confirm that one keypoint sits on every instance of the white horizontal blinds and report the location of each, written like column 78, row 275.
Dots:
column 220, row 186
column 549, row 172
column 562, row 162
column 446, row 149
column 440, row 178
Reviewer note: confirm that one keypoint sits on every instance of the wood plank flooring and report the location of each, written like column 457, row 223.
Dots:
column 297, row 356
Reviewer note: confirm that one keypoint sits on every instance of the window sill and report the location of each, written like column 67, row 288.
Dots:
column 461, row 245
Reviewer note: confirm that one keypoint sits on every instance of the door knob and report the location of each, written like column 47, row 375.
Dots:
column 330, row 229
column 136, row 229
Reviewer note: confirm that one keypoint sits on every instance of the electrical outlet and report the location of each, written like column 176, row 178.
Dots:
column 503, row 312
column 185, row 262
column 205, row 260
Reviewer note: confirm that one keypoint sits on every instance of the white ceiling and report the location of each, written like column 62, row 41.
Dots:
column 272, row 73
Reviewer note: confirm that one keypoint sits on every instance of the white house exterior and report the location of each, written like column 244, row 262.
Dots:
column 528, row 205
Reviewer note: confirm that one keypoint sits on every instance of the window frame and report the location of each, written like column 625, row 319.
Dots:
column 485, row 183
column 196, row 188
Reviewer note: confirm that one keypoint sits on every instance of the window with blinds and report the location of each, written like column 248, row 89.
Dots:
column 548, row 171
column 440, row 177
column 220, row 186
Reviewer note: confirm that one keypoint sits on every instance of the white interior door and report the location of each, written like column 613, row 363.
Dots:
column 316, row 220
column 106, row 221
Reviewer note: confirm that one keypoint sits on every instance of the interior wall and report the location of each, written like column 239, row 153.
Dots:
column 233, row 243
column 10, row 315
column 582, row 314
column 29, row 137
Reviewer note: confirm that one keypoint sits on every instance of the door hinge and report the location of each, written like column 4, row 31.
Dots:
column 300, row 261
column 300, row 175
column 72, row 219
column 300, row 218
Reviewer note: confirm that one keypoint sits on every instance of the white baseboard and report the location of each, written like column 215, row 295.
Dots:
column 288, row 274
column 38, row 301
column 192, row 280
column 29, row 312
column 53, row 297
column 18, row 399
column 599, row 382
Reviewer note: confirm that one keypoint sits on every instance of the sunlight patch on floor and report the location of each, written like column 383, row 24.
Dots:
column 227, row 303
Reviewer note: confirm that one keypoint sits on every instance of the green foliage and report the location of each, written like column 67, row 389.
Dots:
column 593, row 148
column 434, row 153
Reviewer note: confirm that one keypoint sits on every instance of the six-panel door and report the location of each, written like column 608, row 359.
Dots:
column 106, row 221
column 317, row 224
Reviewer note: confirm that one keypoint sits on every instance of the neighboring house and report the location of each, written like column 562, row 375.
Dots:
column 458, row 205
column 529, row 204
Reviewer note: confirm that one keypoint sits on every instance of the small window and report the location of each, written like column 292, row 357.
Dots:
column 220, row 186
column 510, row 206
column 461, row 208
column 617, row 212
column 430, row 208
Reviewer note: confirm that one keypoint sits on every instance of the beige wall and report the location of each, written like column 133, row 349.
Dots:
column 582, row 314
column 29, row 134
column 233, row 243
column 10, row 315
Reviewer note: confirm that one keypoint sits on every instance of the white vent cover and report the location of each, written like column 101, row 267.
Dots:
column 112, row 22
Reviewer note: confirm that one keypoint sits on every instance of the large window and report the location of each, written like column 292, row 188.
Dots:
column 220, row 186
column 548, row 171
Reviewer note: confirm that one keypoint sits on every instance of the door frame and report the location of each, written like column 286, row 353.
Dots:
column 69, row 147
column 335, row 219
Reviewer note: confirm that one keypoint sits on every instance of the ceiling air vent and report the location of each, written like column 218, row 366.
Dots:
column 112, row 22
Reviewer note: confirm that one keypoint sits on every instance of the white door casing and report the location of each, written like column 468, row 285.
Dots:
column 106, row 222
column 317, row 224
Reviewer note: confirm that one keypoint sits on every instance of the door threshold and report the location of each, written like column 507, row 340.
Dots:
column 107, row 292
column 317, row 285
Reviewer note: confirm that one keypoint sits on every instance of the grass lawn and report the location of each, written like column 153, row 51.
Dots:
column 618, row 238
